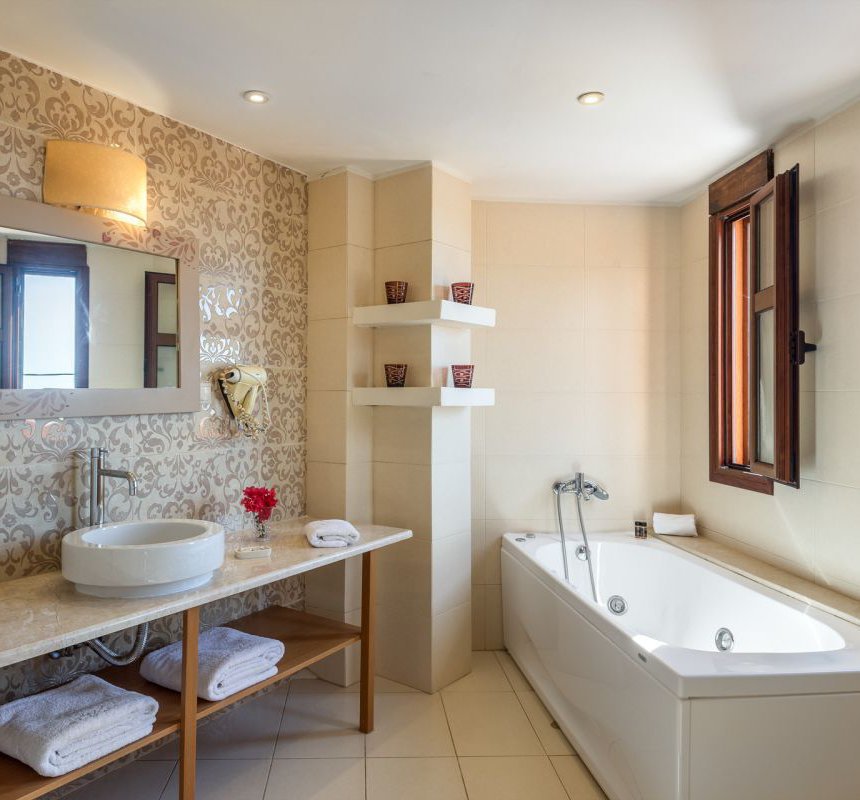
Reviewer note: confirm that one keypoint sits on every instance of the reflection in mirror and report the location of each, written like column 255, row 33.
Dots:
column 80, row 315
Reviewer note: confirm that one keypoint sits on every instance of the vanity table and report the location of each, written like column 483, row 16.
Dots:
column 44, row 613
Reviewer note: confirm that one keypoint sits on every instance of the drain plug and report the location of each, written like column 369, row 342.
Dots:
column 617, row 604
column 724, row 640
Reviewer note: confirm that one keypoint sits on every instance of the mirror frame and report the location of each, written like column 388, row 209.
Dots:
column 30, row 216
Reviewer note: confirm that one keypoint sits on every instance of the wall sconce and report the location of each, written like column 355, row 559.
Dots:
column 95, row 179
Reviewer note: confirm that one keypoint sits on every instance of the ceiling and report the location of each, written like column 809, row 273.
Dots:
column 486, row 88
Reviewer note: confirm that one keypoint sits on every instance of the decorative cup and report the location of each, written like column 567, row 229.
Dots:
column 462, row 375
column 395, row 375
column 462, row 292
column 395, row 291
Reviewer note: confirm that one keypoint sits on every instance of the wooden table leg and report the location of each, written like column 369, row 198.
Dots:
column 368, row 640
column 188, row 719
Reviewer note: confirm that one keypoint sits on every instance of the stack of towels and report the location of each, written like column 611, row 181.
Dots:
column 63, row 729
column 331, row 533
column 228, row 661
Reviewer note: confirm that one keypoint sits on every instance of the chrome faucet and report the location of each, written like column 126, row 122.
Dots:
column 98, row 472
column 582, row 489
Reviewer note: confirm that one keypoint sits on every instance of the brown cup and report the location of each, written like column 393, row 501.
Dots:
column 395, row 291
column 463, row 374
column 395, row 375
column 462, row 292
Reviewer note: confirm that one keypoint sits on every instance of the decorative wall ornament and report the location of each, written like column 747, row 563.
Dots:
column 246, row 219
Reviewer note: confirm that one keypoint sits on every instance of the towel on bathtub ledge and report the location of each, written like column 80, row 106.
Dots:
column 228, row 661
column 62, row 729
column 675, row 524
column 331, row 533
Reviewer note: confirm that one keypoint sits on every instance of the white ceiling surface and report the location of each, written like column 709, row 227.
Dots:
column 485, row 87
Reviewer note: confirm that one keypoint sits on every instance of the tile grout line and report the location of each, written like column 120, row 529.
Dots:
column 540, row 741
column 454, row 745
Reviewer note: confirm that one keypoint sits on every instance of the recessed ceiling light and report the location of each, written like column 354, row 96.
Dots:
column 255, row 96
column 590, row 98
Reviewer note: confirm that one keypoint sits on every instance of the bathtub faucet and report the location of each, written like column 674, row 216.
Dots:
column 581, row 487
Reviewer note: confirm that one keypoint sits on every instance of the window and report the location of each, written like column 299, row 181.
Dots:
column 44, row 299
column 755, row 345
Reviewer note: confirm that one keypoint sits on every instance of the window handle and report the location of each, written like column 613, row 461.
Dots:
column 800, row 347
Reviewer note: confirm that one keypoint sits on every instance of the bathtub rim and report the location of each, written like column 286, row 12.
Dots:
column 699, row 674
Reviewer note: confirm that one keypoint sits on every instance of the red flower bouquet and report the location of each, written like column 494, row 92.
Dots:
column 260, row 502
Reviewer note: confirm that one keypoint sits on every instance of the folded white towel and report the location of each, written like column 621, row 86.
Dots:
column 675, row 524
column 228, row 661
column 331, row 533
column 62, row 729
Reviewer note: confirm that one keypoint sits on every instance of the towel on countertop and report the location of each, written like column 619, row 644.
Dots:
column 228, row 661
column 675, row 524
column 331, row 533
column 62, row 729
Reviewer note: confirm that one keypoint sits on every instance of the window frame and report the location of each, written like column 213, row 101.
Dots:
column 736, row 195
column 33, row 257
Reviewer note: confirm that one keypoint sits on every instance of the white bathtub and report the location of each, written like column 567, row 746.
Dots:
column 651, row 704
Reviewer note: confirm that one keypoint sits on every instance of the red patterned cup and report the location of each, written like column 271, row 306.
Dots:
column 395, row 291
column 395, row 375
column 462, row 292
column 463, row 375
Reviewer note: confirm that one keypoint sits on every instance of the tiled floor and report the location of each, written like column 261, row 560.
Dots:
column 486, row 737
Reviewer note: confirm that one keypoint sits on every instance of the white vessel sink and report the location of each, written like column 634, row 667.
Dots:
column 143, row 558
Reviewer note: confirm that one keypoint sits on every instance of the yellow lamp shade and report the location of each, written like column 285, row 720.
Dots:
column 100, row 180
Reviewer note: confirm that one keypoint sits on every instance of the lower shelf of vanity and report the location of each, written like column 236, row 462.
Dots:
column 307, row 639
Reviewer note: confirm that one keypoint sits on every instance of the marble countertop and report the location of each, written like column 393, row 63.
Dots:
column 813, row 594
column 43, row 613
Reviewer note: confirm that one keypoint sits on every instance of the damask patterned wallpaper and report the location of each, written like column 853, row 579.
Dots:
column 248, row 217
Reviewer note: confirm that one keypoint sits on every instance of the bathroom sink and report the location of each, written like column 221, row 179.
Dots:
column 143, row 558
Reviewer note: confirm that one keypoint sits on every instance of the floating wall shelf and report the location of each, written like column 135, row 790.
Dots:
column 425, row 396
column 424, row 312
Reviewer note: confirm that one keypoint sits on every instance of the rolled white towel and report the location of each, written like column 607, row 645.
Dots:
column 675, row 524
column 63, row 729
column 331, row 533
column 228, row 661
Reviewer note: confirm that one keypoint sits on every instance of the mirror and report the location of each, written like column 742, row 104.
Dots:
column 96, row 318
column 82, row 315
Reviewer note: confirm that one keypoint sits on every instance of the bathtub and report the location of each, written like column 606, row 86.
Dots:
column 654, row 708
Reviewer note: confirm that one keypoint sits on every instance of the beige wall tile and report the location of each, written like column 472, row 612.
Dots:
column 493, row 631
column 634, row 361
column 837, row 242
column 478, row 618
column 646, row 237
column 411, row 346
column 402, row 496
column 325, row 487
column 536, row 360
column 327, row 354
column 535, row 423
column 799, row 150
column 452, row 431
column 632, row 299
column 535, row 234
column 452, row 644
column 452, row 210
column 327, row 416
column 537, row 298
column 451, row 580
column 837, row 158
column 403, row 207
column 631, row 424
column 479, row 232
column 452, row 498
column 327, row 283
column 359, row 210
column 450, row 264
column 327, row 201
column 402, row 435
column 359, row 492
column 412, row 263
column 360, row 277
